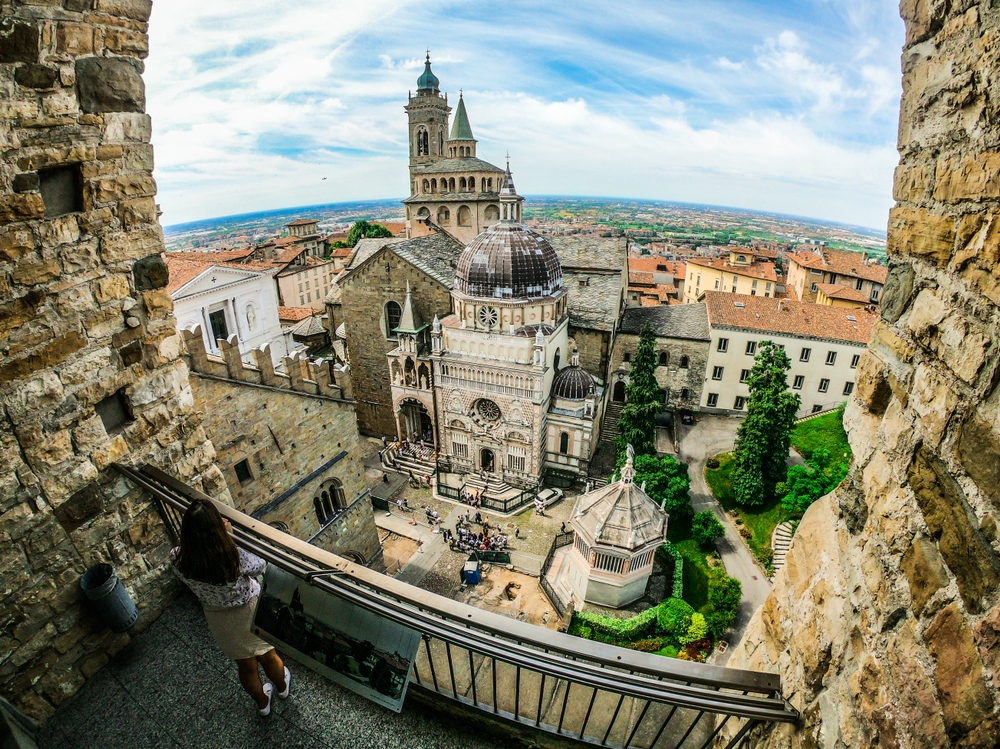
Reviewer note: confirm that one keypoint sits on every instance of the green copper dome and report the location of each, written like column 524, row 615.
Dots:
column 460, row 128
column 428, row 81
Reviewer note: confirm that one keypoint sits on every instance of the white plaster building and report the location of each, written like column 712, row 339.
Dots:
column 617, row 529
column 824, row 345
column 228, row 300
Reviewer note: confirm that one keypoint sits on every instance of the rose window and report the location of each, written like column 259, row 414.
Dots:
column 488, row 316
column 487, row 411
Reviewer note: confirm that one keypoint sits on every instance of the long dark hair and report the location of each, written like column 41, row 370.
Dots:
column 208, row 553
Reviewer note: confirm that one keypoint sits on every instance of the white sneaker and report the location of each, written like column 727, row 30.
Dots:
column 288, row 684
column 268, row 690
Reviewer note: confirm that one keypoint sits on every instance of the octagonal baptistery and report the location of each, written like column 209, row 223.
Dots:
column 617, row 529
column 509, row 261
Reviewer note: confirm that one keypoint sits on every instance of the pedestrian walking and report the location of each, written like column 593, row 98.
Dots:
column 222, row 576
column 383, row 441
column 562, row 527
column 517, row 532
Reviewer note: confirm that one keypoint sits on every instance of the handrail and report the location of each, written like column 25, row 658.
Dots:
column 592, row 664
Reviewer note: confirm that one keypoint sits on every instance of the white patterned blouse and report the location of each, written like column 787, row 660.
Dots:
column 243, row 590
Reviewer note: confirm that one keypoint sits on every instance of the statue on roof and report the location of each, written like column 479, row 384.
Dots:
column 628, row 470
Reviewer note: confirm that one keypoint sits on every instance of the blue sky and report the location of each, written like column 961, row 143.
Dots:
column 778, row 106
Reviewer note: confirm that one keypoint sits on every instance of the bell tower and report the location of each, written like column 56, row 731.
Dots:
column 428, row 114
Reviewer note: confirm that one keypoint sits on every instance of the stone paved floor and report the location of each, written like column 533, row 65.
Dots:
column 173, row 688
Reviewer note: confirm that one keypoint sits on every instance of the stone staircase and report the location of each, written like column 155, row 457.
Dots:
column 557, row 575
column 781, row 539
column 603, row 462
column 494, row 486
column 419, row 460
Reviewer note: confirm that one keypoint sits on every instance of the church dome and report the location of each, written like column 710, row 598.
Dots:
column 573, row 383
column 508, row 261
column 427, row 81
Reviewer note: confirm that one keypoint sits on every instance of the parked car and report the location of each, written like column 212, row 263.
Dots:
column 687, row 417
column 548, row 496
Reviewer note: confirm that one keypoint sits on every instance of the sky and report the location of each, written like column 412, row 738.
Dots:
column 788, row 106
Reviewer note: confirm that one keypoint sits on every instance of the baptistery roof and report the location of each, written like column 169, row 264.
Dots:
column 573, row 383
column 509, row 261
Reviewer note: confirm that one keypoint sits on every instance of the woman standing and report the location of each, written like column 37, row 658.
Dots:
column 222, row 576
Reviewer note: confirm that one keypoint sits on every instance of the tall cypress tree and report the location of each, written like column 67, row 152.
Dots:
column 765, row 435
column 637, row 424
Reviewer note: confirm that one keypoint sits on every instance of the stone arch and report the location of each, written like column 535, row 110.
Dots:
column 409, row 373
column 434, row 185
column 472, row 184
column 564, row 443
column 423, row 214
column 424, row 375
column 396, row 373
column 685, row 362
column 464, row 216
column 427, row 185
column 354, row 556
column 461, row 184
column 451, row 185
column 334, row 488
column 664, row 359
column 392, row 313
column 619, row 393
column 443, row 215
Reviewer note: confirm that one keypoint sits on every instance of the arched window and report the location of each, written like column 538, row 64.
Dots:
column 464, row 216
column 564, row 443
column 327, row 505
column 685, row 394
column 461, row 184
column 663, row 358
column 492, row 213
column 684, row 362
column 451, row 185
column 423, row 214
column 440, row 141
column 427, row 186
column 434, row 185
column 444, row 215
column 392, row 314
column 472, row 183
column 320, row 512
column 337, row 497
column 489, row 184
column 555, row 361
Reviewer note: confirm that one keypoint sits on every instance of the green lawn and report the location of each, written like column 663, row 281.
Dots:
column 760, row 521
column 697, row 573
column 824, row 432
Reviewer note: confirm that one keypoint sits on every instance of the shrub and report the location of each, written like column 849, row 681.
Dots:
column 668, row 549
column 705, row 527
column 649, row 646
column 674, row 617
column 620, row 630
column 697, row 630
column 724, row 596
column 712, row 463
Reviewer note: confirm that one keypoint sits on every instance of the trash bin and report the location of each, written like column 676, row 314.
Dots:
column 112, row 601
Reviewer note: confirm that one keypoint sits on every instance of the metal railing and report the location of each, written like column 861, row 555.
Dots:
column 585, row 690
column 561, row 539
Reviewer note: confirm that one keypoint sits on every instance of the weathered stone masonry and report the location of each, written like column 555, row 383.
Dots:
column 84, row 314
column 885, row 621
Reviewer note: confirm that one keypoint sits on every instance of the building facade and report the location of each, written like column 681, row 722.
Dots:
column 824, row 344
column 744, row 271
column 809, row 268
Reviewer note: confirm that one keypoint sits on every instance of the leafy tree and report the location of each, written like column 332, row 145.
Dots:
column 667, row 481
column 674, row 617
column 806, row 484
column 637, row 423
column 697, row 630
column 724, row 598
column 363, row 230
column 764, row 436
column 705, row 527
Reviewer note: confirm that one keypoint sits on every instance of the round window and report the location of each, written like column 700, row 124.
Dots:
column 487, row 410
column 488, row 316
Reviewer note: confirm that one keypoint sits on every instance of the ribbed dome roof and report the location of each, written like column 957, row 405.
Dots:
column 573, row 383
column 427, row 81
column 508, row 261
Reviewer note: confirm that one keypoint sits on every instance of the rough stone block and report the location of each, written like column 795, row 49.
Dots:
column 968, row 555
column 18, row 41
column 80, row 508
column 973, row 178
column 958, row 674
column 897, row 292
column 75, row 38
column 15, row 244
column 107, row 84
column 47, row 356
column 150, row 273
column 872, row 384
column 918, row 232
column 138, row 212
column 925, row 572
column 137, row 10
column 27, row 182
column 979, row 451
column 32, row 274
column 21, row 207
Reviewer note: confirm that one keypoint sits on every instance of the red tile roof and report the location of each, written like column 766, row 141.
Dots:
column 654, row 264
column 789, row 317
column 218, row 256
column 640, row 278
column 754, row 270
column 294, row 314
column 182, row 271
column 836, row 291
column 842, row 263
column 301, row 222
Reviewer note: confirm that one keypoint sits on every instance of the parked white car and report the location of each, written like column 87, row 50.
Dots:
column 548, row 497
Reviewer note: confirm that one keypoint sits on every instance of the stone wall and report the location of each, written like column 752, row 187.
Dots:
column 671, row 377
column 295, row 441
column 885, row 623
column 594, row 347
column 354, row 535
column 90, row 369
column 364, row 296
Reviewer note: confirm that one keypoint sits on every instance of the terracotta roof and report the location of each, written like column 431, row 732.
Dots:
column 842, row 263
column 397, row 228
column 294, row 314
column 801, row 319
column 301, row 222
column 182, row 271
column 341, row 251
column 754, row 270
column 649, row 301
column 642, row 278
column 212, row 257
column 653, row 264
column 836, row 291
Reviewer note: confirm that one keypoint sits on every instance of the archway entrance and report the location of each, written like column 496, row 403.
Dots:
column 415, row 423
column 486, row 460
column 619, row 392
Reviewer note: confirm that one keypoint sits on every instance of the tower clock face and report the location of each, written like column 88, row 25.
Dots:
column 488, row 316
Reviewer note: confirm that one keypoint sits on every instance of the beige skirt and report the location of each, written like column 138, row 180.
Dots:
column 231, row 629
